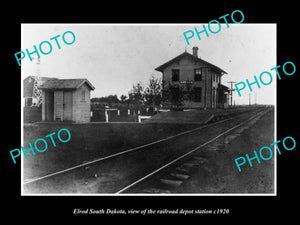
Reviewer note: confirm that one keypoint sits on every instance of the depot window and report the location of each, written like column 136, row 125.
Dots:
column 175, row 75
column 198, row 74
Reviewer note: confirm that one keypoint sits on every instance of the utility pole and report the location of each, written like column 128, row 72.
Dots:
column 249, row 98
column 231, row 90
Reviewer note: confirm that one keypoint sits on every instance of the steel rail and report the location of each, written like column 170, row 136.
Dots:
column 188, row 153
column 129, row 150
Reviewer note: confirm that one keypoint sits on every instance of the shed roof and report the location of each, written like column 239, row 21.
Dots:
column 40, row 78
column 65, row 84
column 161, row 67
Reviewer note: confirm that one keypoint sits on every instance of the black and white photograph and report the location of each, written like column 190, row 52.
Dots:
column 149, row 109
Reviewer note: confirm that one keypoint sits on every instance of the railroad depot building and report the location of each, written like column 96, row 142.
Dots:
column 66, row 100
column 198, row 81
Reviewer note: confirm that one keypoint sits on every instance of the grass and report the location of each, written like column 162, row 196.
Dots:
column 88, row 142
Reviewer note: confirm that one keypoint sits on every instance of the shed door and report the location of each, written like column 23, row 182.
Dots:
column 67, row 105
column 49, row 105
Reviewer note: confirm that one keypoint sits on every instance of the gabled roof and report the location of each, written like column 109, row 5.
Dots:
column 65, row 84
column 161, row 67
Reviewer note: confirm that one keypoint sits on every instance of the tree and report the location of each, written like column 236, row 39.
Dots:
column 123, row 98
column 112, row 99
column 172, row 95
column 152, row 93
column 136, row 95
column 107, row 99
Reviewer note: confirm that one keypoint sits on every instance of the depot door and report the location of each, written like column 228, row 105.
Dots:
column 67, row 106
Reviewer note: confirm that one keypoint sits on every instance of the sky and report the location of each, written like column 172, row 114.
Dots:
column 113, row 57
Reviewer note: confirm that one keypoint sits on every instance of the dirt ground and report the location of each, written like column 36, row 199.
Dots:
column 220, row 174
column 88, row 142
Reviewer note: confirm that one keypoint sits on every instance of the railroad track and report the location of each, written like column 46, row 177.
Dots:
column 128, row 171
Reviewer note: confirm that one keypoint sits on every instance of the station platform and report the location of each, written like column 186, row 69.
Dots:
column 200, row 116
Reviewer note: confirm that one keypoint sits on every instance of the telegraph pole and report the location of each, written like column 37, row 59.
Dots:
column 249, row 98
column 231, row 90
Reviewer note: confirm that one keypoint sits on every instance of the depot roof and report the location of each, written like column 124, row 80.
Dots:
column 161, row 67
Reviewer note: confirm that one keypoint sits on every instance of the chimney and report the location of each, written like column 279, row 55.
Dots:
column 195, row 51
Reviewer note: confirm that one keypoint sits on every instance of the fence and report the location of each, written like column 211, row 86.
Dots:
column 120, row 114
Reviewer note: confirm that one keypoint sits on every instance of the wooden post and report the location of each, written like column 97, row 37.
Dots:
column 106, row 116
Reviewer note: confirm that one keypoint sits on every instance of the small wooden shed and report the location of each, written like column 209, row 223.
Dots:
column 66, row 100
